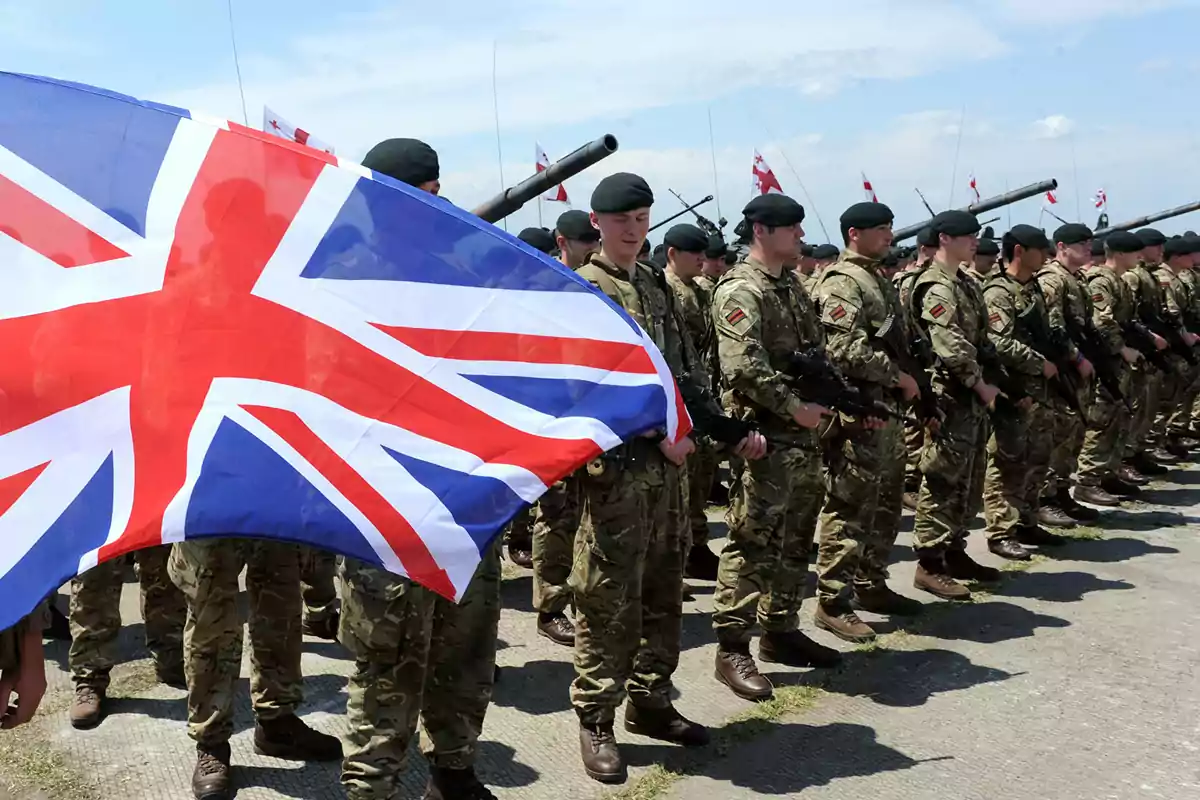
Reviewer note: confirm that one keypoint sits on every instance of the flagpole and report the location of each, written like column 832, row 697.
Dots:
column 957, row 147
column 496, row 111
column 1075, row 174
column 237, row 65
column 712, row 146
column 540, row 211
column 1008, row 208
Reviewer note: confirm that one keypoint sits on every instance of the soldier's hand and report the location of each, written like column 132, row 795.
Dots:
column 1130, row 355
column 987, row 393
column 1049, row 369
column 753, row 447
column 1159, row 341
column 1085, row 368
column 678, row 452
column 809, row 415
column 908, row 387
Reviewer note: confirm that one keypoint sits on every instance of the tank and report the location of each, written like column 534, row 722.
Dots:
column 985, row 205
column 1141, row 222
column 570, row 165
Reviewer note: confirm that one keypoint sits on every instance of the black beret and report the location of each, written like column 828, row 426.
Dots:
column 824, row 251
column 866, row 215
column 577, row 225
column 1180, row 246
column 1028, row 236
column 1123, row 242
column 987, row 247
column 716, row 246
column 1151, row 238
column 410, row 161
column 954, row 223
column 621, row 192
column 686, row 237
column 538, row 239
column 659, row 257
column 807, row 250
column 645, row 247
column 1097, row 247
column 1073, row 233
column 774, row 211
column 927, row 238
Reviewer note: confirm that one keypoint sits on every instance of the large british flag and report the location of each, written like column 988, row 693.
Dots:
column 208, row 331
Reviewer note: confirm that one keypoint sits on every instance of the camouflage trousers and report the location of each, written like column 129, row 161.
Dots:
column 628, row 585
column 519, row 534
column 764, row 567
column 207, row 571
column 317, row 571
column 1109, row 423
column 1145, row 388
column 95, row 616
column 1069, row 429
column 556, row 519
column 701, row 472
column 417, row 656
column 864, row 486
column 914, row 443
column 979, row 472
column 950, row 467
column 1017, row 465
column 1174, row 409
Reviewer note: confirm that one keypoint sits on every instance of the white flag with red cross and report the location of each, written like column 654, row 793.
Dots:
column 765, row 181
column 1051, row 199
column 1101, row 199
column 555, row 194
column 868, row 189
column 273, row 123
column 975, row 189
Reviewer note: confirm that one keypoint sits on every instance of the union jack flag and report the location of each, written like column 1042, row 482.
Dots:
column 207, row 331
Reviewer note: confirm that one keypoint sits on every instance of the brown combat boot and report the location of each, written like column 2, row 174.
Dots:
column 598, row 749
column 289, row 738
column 557, row 628
column 1073, row 509
column 1132, row 475
column 796, row 650
column 665, row 724
column 882, row 600
column 1096, row 496
column 1054, row 517
column 932, row 577
column 1164, row 457
column 1008, row 547
column 455, row 784
column 210, row 779
column 843, row 623
column 736, row 669
column 88, row 708
column 522, row 556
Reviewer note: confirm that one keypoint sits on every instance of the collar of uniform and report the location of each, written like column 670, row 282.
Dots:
column 944, row 267
column 851, row 257
column 775, row 274
column 608, row 266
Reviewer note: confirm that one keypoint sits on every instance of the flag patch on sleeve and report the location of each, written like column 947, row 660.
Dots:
column 1098, row 298
column 837, row 313
column 937, row 310
column 994, row 318
column 735, row 316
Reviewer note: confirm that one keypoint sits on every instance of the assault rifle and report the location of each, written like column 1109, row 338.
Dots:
column 817, row 380
column 913, row 357
column 1052, row 346
column 1107, row 366
column 1138, row 336
column 1156, row 323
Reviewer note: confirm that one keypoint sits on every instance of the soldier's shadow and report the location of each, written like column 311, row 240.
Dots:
column 1144, row 521
column 536, row 687
column 1170, row 497
column 1112, row 550
column 990, row 622
column 516, row 594
column 1057, row 587
column 303, row 781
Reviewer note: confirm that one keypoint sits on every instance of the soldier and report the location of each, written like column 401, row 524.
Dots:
column 95, row 615
column 1099, row 256
column 914, row 432
column 716, row 264
column 1022, row 437
column 956, row 322
column 686, row 245
column 318, row 568
column 823, row 255
column 1181, row 424
column 1069, row 308
column 22, row 669
column 539, row 239
column 762, row 319
column 1141, row 451
column 415, row 653
column 627, row 577
column 1177, row 382
column 1108, row 424
column 983, row 265
column 558, row 511
column 865, row 458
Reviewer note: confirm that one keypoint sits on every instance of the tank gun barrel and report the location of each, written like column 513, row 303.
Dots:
column 985, row 205
column 511, row 199
column 1141, row 222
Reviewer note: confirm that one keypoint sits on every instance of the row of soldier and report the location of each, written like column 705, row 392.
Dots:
column 950, row 359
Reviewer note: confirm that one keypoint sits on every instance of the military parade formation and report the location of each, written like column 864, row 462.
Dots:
column 1034, row 378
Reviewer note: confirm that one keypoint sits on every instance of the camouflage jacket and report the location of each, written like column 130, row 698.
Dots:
column 1144, row 289
column 948, row 305
column 1008, row 301
column 1112, row 305
column 856, row 301
column 761, row 318
column 1175, row 299
column 1068, row 303
column 706, row 286
column 696, row 317
column 1191, row 290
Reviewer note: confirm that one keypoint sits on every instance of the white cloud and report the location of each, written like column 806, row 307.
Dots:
column 1074, row 12
column 1055, row 126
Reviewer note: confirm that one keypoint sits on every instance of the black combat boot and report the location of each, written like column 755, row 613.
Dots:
column 1074, row 510
column 701, row 563
column 736, row 669
column 961, row 566
column 324, row 627
column 210, row 779
column 665, row 724
column 882, row 600
column 455, row 784
column 1038, row 536
column 598, row 748
column 796, row 650
column 288, row 737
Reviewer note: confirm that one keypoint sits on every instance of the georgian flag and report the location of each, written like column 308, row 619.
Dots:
column 1100, row 199
column 765, row 181
column 975, row 189
column 555, row 194
column 868, row 190
column 277, row 125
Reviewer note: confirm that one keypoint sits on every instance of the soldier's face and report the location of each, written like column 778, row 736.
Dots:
column 872, row 242
column 1152, row 255
column 715, row 266
column 1075, row 255
column 782, row 243
column 685, row 265
column 959, row 249
column 622, row 234
column 575, row 252
column 433, row 187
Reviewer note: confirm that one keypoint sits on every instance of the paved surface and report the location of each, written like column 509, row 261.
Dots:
column 1075, row 679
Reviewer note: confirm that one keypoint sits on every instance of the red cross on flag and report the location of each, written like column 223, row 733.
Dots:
column 975, row 189
column 1101, row 199
column 765, row 181
column 273, row 123
column 1051, row 199
column 555, row 194
column 868, row 189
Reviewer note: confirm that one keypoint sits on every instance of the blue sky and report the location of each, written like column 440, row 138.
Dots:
column 1098, row 89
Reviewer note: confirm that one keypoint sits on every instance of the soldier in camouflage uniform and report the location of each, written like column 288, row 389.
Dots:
column 763, row 318
column 318, row 568
column 416, row 654
column 1181, row 424
column 865, row 476
column 984, row 264
column 685, row 248
column 914, row 431
column 1177, row 383
column 1022, row 436
column 23, row 668
column 1069, row 307
column 628, row 573
column 714, row 267
column 1142, row 452
column 95, row 615
column 1108, row 424
column 946, row 305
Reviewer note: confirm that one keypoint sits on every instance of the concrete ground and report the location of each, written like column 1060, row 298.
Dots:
column 1078, row 677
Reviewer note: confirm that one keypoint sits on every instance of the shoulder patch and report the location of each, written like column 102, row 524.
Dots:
column 838, row 312
column 735, row 316
column 1097, row 297
column 994, row 318
column 938, row 310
